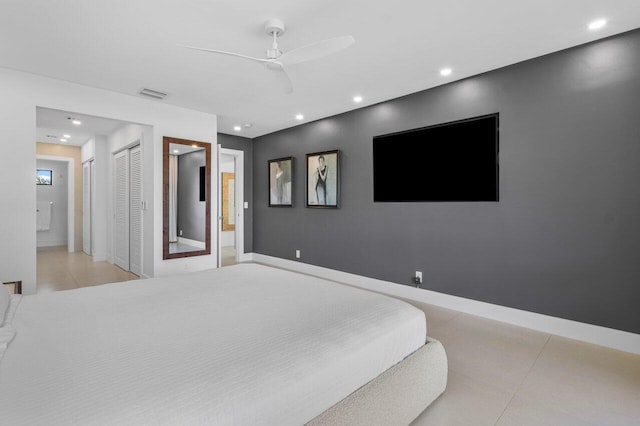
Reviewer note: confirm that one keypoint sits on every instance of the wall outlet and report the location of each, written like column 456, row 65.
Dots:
column 417, row 279
column 181, row 232
column 297, row 254
column 246, row 204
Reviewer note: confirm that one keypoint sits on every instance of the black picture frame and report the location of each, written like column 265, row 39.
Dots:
column 280, row 172
column 323, row 188
column 44, row 177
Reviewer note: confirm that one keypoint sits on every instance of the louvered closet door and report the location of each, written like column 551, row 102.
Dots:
column 135, row 224
column 121, row 209
column 86, row 207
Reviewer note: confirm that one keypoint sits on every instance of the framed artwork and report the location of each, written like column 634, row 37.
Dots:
column 323, row 179
column 281, row 182
column 44, row 177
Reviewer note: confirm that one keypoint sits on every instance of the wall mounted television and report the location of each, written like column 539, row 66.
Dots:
column 455, row 161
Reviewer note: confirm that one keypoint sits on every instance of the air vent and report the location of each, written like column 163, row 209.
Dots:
column 52, row 136
column 153, row 93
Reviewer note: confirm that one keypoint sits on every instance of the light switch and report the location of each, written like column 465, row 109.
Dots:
column 246, row 204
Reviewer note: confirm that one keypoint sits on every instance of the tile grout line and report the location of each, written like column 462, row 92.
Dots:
column 524, row 379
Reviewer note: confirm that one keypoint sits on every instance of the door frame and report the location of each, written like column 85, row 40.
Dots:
column 71, row 215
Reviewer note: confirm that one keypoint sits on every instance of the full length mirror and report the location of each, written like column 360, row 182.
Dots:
column 186, row 196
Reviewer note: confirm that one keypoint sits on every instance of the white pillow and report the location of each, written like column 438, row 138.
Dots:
column 5, row 298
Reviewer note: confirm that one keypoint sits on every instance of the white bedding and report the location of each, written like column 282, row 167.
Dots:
column 242, row 345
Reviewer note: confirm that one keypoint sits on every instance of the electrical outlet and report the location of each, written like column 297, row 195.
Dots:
column 297, row 254
column 181, row 232
column 417, row 278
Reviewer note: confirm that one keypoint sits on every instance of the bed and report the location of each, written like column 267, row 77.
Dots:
column 240, row 345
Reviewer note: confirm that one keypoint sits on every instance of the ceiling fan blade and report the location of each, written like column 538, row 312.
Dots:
column 281, row 76
column 226, row 53
column 316, row 50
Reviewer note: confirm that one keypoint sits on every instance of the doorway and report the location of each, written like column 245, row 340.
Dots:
column 55, row 187
column 87, row 144
column 231, row 206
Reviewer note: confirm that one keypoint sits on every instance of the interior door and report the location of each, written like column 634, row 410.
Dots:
column 86, row 207
column 135, row 210
column 121, row 209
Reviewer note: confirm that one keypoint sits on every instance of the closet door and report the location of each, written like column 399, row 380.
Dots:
column 135, row 210
column 121, row 209
column 86, row 207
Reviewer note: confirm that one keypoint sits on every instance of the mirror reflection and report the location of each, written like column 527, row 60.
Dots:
column 187, row 177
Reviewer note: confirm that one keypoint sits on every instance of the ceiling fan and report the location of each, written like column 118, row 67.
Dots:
column 277, row 61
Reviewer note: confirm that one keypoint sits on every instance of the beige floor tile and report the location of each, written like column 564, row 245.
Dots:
column 436, row 316
column 490, row 351
column 523, row 412
column 465, row 402
column 228, row 256
column 57, row 269
column 588, row 381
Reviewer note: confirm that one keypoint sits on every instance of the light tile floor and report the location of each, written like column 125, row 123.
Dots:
column 57, row 269
column 501, row 374
column 228, row 256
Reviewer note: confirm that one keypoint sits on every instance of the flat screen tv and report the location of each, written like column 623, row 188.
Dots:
column 456, row 161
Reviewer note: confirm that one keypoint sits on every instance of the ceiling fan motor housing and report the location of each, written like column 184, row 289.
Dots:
column 274, row 26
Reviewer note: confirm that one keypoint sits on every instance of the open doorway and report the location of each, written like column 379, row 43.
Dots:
column 85, row 147
column 231, row 223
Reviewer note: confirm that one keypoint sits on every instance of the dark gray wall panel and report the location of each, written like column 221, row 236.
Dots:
column 246, row 145
column 564, row 240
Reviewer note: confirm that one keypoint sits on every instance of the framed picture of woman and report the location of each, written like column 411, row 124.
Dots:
column 281, row 182
column 323, row 179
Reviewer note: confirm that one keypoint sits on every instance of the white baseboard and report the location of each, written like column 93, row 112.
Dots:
column 245, row 257
column 603, row 336
column 192, row 243
column 51, row 243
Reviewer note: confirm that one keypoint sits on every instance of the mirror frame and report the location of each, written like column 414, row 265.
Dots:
column 166, row 142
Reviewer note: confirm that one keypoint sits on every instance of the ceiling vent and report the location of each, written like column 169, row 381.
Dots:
column 52, row 136
column 153, row 93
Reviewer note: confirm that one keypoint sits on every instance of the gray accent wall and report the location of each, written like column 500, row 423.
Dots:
column 245, row 145
column 563, row 240
column 191, row 211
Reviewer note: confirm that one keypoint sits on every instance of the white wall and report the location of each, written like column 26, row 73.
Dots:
column 21, row 94
column 88, row 150
column 56, row 194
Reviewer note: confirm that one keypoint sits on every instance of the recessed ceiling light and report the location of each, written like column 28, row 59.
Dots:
column 445, row 72
column 237, row 128
column 175, row 151
column 76, row 121
column 247, row 125
column 194, row 146
column 63, row 140
column 597, row 24
column 299, row 117
column 66, row 136
column 357, row 99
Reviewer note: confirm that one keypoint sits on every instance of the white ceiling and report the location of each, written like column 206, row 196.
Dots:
column 51, row 125
column 400, row 47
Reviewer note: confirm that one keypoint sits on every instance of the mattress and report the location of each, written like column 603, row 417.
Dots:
column 246, row 344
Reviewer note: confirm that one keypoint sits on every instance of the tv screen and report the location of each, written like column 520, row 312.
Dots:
column 456, row 161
